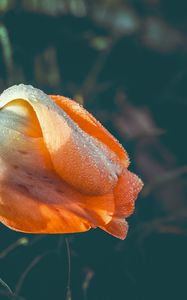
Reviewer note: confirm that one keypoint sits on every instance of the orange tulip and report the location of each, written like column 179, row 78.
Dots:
column 61, row 171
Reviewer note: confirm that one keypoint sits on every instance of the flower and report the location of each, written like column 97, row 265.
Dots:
column 61, row 171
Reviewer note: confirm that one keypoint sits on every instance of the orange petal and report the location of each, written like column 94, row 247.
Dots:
column 125, row 194
column 24, row 209
column 34, row 199
column 117, row 227
column 81, row 160
column 27, row 214
column 91, row 126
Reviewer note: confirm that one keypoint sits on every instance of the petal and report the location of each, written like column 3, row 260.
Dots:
column 80, row 159
column 34, row 199
column 20, row 116
column 117, row 227
column 91, row 126
column 125, row 194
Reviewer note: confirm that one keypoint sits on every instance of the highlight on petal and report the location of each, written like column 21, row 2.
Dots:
column 61, row 170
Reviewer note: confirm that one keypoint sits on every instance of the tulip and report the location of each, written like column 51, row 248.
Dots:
column 61, row 170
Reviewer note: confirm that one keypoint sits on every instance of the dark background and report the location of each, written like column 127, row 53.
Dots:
column 126, row 62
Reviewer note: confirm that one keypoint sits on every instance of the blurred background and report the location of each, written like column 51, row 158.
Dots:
column 126, row 62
